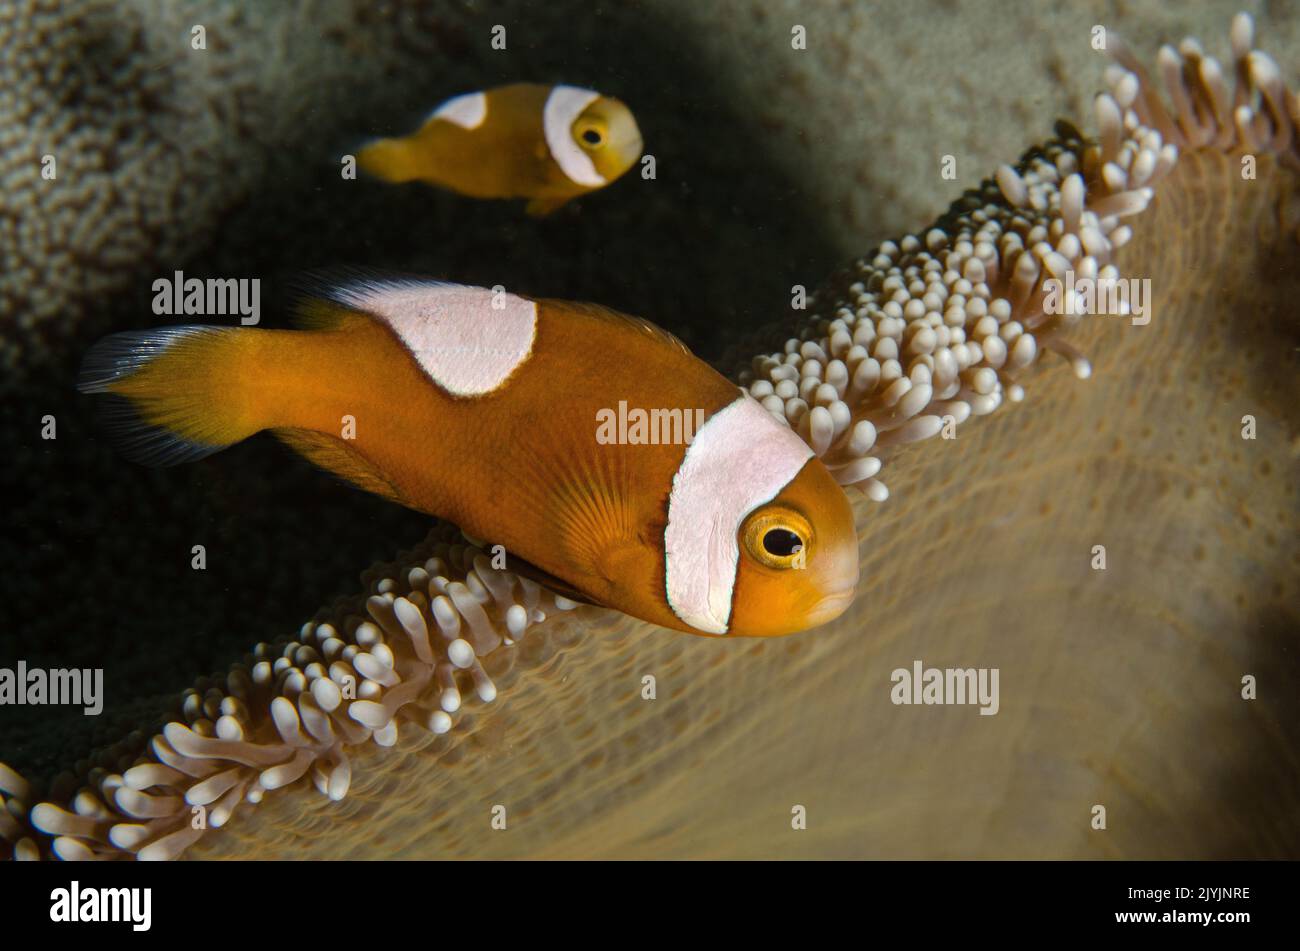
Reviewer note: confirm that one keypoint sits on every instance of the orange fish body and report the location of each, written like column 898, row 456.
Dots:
column 509, row 417
column 548, row 144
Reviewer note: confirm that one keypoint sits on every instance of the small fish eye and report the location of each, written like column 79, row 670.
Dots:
column 782, row 542
column 591, row 136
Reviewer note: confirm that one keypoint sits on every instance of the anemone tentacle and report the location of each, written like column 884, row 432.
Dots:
column 409, row 654
column 943, row 324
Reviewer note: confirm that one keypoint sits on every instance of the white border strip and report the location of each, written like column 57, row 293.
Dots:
column 740, row 459
column 563, row 106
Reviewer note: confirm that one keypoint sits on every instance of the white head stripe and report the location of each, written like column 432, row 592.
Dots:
column 460, row 340
column 467, row 111
column 740, row 459
column 563, row 106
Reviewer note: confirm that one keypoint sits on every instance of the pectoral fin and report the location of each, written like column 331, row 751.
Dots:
column 600, row 535
column 548, row 581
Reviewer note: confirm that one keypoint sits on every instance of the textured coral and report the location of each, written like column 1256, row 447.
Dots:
column 109, row 92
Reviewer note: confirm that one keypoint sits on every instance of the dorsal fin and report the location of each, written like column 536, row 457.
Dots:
column 337, row 457
column 316, row 313
column 640, row 324
column 327, row 298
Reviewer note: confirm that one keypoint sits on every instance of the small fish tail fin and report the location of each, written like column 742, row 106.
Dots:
column 172, row 394
column 393, row 160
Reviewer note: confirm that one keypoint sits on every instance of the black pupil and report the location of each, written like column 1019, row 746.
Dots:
column 592, row 136
column 781, row 543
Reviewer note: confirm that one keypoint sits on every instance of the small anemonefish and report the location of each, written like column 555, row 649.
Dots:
column 486, row 408
column 548, row 144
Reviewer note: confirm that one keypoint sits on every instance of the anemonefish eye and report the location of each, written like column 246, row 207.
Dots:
column 591, row 135
column 776, row 537
column 781, row 542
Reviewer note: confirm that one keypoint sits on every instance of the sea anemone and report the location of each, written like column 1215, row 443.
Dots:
column 937, row 327
column 106, row 159
column 126, row 141
column 405, row 654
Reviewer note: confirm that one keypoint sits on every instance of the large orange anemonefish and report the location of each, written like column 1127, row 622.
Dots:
column 548, row 144
column 492, row 411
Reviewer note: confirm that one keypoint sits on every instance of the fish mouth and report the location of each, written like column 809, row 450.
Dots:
column 831, row 607
column 631, row 148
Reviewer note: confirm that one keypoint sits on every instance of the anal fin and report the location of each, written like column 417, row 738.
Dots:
column 335, row 456
column 541, row 207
